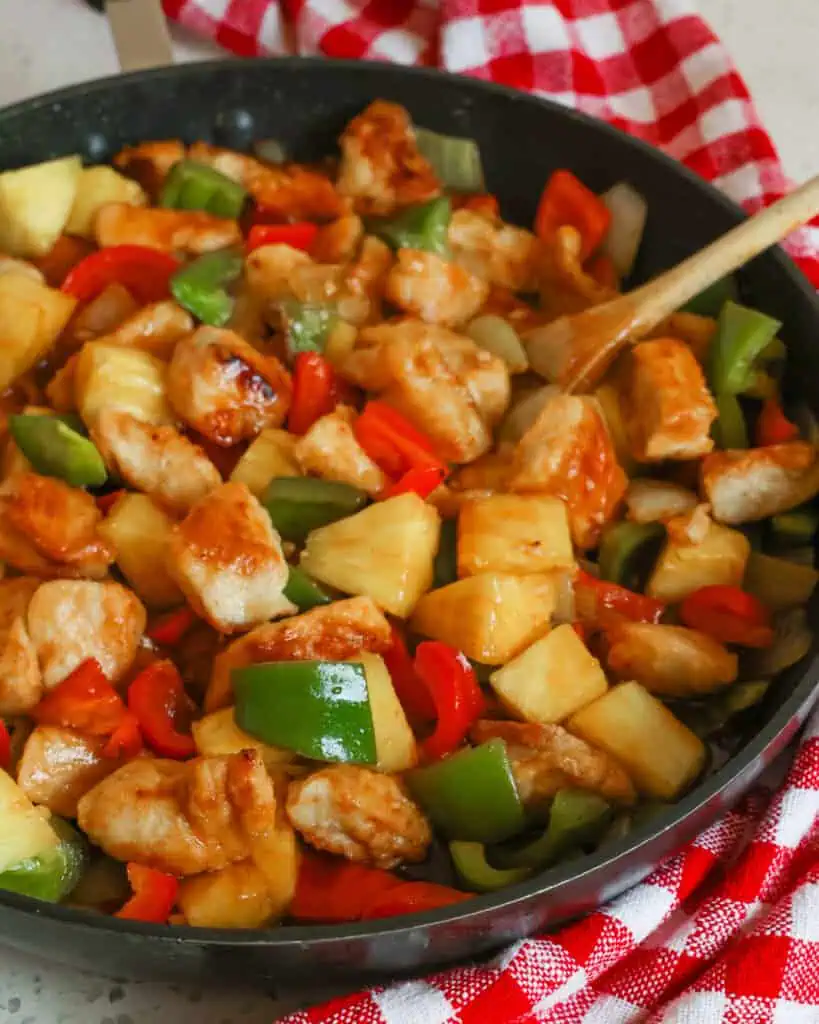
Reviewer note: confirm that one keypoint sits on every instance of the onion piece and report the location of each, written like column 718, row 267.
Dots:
column 499, row 337
column 271, row 151
column 523, row 413
column 793, row 640
column 565, row 607
column 651, row 501
column 629, row 212
column 456, row 161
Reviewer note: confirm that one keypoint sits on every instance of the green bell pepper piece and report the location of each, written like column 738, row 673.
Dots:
column 194, row 186
column 576, row 818
column 445, row 567
column 707, row 717
column 319, row 709
column 298, row 504
column 304, row 592
column 729, row 429
column 422, row 227
column 51, row 875
column 743, row 335
column 471, row 794
column 477, row 873
column 308, row 325
column 710, row 301
column 55, row 449
column 795, row 528
column 628, row 552
column 201, row 286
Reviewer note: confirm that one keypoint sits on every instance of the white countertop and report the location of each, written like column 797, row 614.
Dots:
column 45, row 44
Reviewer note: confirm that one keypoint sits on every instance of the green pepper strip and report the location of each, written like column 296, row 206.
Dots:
column 201, row 287
column 55, row 449
column 52, row 875
column 710, row 301
column 710, row 716
column 304, row 592
column 445, row 567
column 319, row 709
column 742, row 337
column 308, row 325
column 628, row 552
column 477, row 873
column 471, row 795
column 729, row 429
column 297, row 504
column 422, row 227
column 795, row 528
column 195, row 186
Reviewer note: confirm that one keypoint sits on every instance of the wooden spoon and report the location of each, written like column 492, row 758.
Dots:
column 575, row 351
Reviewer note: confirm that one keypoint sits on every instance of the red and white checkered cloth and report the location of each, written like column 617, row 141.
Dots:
column 727, row 930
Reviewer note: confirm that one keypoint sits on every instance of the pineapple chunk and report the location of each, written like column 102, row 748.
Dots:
column 126, row 379
column 24, row 829
column 139, row 532
column 491, row 617
column 218, row 733
column 719, row 557
column 608, row 399
column 96, row 187
column 385, row 551
column 513, row 533
column 270, row 455
column 394, row 740
column 550, row 680
column 31, row 318
column 235, row 897
column 662, row 755
column 35, row 203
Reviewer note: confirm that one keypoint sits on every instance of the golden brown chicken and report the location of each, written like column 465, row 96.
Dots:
column 58, row 766
column 330, row 450
column 21, row 684
column 186, row 231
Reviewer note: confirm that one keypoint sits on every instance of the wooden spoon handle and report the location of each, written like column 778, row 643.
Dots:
column 140, row 33
column 660, row 298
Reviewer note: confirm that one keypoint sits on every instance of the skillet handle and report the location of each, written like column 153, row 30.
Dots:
column 140, row 33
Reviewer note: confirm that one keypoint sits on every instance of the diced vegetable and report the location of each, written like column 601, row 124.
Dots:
column 598, row 599
column 385, row 552
column 471, row 795
column 298, row 505
column 218, row 733
column 608, row 398
column 514, row 533
column 308, row 325
column 796, row 527
column 490, row 617
column 576, row 818
column 26, row 830
column 629, row 212
column 456, row 161
column 146, row 273
column 779, row 584
column 423, row 227
column 524, row 411
column 392, row 442
column 313, row 391
column 202, row 287
column 413, row 694
column 708, row 717
column 729, row 615
column 319, row 709
column 498, row 336
column 412, row 898
column 550, row 680
column 450, row 680
column 742, row 336
column 773, row 426
column 35, row 203
column 52, row 874
column 269, row 455
column 710, row 301
column 125, row 379
column 236, row 897
column 103, row 885
column 567, row 201
column 792, row 642
column 662, row 756
column 32, row 317
column 195, row 186
column 395, row 745
column 97, row 186
column 729, row 429
column 168, row 629
column 297, row 236
column 719, row 558
column 157, row 698
column 475, row 870
column 54, row 449
column 304, row 592
column 628, row 552
column 154, row 895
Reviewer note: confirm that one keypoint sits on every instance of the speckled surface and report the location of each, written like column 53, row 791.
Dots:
column 45, row 44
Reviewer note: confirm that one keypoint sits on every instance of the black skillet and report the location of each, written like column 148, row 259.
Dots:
column 305, row 103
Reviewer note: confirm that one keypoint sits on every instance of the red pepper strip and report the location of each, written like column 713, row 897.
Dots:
column 169, row 629
column 453, row 686
column 581, row 631
column 566, row 200
column 313, row 391
column 157, row 697
column 773, row 426
column 422, row 480
column 595, row 598
column 5, row 746
column 602, row 269
column 393, row 442
column 335, row 890
column 154, row 895
column 84, row 701
column 105, row 502
column 126, row 740
column 297, row 236
column 729, row 615
column 413, row 695
column 145, row 272
column 412, row 898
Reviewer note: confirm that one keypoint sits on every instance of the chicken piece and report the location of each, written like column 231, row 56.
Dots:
column 651, row 501
column 546, row 758
column 155, row 328
column 224, row 388
column 61, row 389
column 182, row 817
column 338, row 241
column 58, row 766
column 360, row 814
column 668, row 410
column 228, row 560
column 565, row 287
column 21, row 685
column 381, row 166
column 500, row 254
column 289, row 191
column 156, row 460
column 670, row 661
column 364, row 281
column 102, row 315
column 484, row 375
column 744, row 486
column 423, row 284
column 567, row 452
column 57, row 521
column 271, row 271
column 150, row 162
column 330, row 450
column 332, row 632
column 186, row 231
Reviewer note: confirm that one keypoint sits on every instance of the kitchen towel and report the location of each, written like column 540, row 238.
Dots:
column 728, row 929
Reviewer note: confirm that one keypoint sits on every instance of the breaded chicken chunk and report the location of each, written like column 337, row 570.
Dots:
column 330, row 450
column 186, row 231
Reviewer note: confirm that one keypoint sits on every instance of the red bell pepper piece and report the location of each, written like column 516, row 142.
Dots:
column 410, row 689
column 105, row 502
column 453, row 686
column 598, row 598
column 5, row 746
column 566, row 200
column 581, row 631
column 422, row 480
column 729, row 615
column 157, row 697
column 297, row 236
column 412, row 898
column 126, row 740
column 145, row 272
column 84, row 701
column 393, row 442
column 169, row 629
column 334, row 890
column 313, row 391
column 154, row 895
column 773, row 426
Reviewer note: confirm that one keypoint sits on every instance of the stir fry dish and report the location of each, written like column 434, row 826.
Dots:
column 318, row 604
